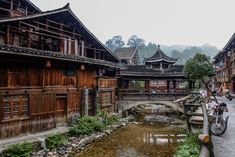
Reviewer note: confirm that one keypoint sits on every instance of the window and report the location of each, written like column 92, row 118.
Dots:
column 69, row 72
column 15, row 106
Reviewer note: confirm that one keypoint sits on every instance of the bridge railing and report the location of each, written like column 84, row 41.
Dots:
column 150, row 93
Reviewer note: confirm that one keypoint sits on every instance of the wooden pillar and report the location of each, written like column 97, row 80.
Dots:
column 186, row 116
column 190, row 84
column 11, row 5
column 168, row 86
column 85, row 93
column 95, row 92
column 82, row 48
column 65, row 46
column 7, row 37
column 76, row 47
column 95, row 53
column 174, row 84
column 148, row 87
column 69, row 46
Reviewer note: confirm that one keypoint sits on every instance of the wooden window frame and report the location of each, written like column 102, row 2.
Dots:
column 21, row 100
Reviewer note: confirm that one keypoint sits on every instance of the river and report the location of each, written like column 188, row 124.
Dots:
column 138, row 140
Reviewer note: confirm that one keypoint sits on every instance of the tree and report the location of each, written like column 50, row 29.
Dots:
column 115, row 42
column 199, row 68
column 176, row 54
column 134, row 40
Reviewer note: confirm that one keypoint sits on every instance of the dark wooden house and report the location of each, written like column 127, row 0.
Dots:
column 224, row 63
column 52, row 69
column 128, row 55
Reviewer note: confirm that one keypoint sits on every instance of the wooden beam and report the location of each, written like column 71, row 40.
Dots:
column 60, row 29
column 58, row 23
column 45, row 30
column 4, row 9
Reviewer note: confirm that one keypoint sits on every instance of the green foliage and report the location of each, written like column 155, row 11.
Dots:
column 86, row 125
column 198, row 84
column 189, row 148
column 134, row 40
column 137, row 84
column 53, row 141
column 198, row 67
column 110, row 120
column 19, row 150
column 115, row 42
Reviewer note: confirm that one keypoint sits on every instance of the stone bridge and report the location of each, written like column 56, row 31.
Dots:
column 127, row 104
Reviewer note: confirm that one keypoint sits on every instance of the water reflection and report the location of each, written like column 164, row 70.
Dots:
column 137, row 141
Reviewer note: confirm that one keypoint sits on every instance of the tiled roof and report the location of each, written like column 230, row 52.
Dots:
column 65, row 9
column 160, row 56
column 6, row 49
column 125, row 52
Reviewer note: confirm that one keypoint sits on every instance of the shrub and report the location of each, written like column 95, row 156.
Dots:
column 19, row 150
column 110, row 120
column 53, row 141
column 189, row 148
column 86, row 125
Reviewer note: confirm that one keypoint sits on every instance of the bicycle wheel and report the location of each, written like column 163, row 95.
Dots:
column 218, row 128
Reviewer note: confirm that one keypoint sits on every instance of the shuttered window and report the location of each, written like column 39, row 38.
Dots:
column 15, row 106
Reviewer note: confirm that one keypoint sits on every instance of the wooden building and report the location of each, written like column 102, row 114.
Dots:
column 159, row 75
column 224, row 64
column 11, row 8
column 128, row 55
column 52, row 69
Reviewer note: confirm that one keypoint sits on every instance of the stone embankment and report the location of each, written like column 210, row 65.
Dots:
column 77, row 144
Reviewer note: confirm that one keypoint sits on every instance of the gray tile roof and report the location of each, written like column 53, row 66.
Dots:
column 125, row 52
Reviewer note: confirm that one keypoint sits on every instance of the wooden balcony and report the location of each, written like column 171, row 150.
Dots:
column 233, row 72
column 232, row 57
column 222, row 79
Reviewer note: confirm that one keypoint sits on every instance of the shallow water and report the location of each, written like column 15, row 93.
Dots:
column 137, row 140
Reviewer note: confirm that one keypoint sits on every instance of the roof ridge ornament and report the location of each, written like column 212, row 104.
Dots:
column 67, row 6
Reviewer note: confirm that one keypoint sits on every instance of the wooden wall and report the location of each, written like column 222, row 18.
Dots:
column 107, row 94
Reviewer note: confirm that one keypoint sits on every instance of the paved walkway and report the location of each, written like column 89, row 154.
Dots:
column 224, row 145
column 4, row 143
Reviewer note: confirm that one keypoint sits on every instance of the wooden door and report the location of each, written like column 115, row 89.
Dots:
column 61, row 114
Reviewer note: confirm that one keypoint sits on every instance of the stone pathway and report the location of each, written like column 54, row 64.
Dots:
column 4, row 143
column 224, row 145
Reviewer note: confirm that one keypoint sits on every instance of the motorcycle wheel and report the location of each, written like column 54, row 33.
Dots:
column 218, row 128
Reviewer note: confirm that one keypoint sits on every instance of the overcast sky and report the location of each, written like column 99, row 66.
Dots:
column 168, row 22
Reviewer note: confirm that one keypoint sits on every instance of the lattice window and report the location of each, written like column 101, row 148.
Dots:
column 14, row 107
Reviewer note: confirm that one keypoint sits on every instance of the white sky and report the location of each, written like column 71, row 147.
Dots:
column 168, row 22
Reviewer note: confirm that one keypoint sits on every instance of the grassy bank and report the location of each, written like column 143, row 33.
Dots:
column 189, row 148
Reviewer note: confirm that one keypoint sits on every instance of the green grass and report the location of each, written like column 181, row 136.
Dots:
column 188, row 148
column 19, row 150
column 56, row 140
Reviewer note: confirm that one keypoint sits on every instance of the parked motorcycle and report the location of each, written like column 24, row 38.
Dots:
column 219, row 123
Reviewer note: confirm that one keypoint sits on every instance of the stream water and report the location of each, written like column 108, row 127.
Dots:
column 138, row 140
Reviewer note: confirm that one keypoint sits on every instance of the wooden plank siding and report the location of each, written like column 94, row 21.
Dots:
column 46, row 60
column 107, row 94
column 52, row 97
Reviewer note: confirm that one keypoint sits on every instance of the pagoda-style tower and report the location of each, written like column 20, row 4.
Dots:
column 159, row 60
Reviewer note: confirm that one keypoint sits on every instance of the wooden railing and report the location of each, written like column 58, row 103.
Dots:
column 150, row 93
column 204, row 137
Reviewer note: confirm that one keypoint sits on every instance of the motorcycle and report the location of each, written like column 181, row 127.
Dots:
column 218, row 123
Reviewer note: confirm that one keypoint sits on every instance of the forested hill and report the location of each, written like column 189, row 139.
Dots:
column 182, row 52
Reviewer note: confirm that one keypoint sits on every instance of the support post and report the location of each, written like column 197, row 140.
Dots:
column 85, row 93
column 186, row 116
column 95, row 92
